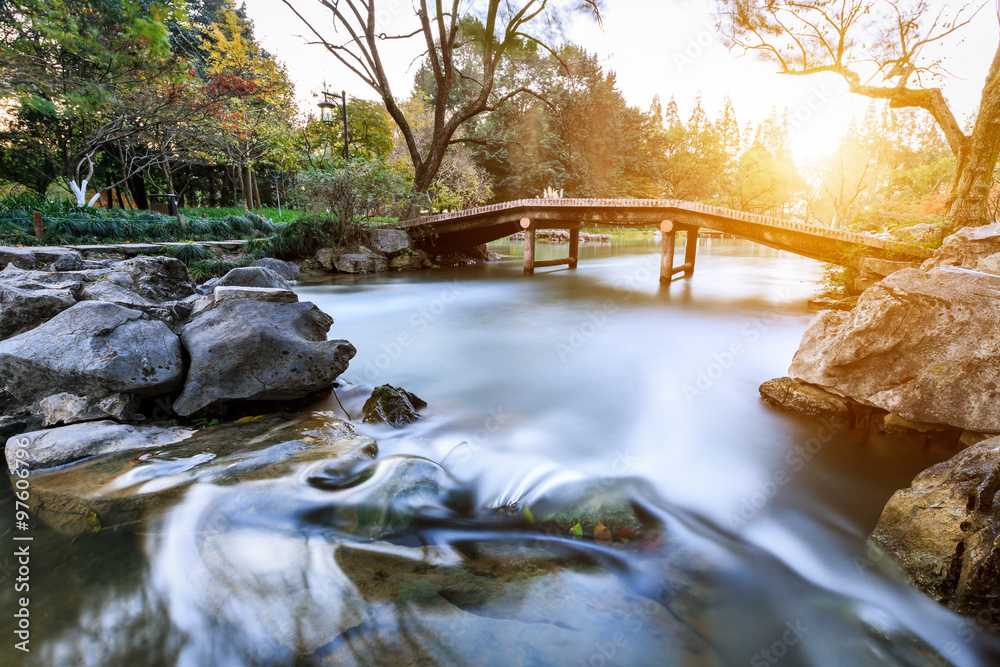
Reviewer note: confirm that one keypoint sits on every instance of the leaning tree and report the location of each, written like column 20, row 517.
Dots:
column 358, row 36
column 880, row 49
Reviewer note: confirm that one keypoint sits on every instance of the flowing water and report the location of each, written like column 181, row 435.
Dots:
column 587, row 383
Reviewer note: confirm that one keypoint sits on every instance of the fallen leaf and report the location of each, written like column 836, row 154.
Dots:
column 93, row 520
column 248, row 419
column 602, row 533
column 576, row 530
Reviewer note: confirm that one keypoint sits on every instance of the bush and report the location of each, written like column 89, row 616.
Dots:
column 357, row 192
column 189, row 252
column 204, row 269
column 303, row 237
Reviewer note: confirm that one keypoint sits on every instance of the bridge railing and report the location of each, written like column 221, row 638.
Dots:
column 667, row 206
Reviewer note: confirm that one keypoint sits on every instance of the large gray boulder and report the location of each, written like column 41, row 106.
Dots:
column 93, row 349
column 922, row 345
column 59, row 446
column 870, row 270
column 360, row 262
column 286, row 270
column 253, row 276
column 389, row 241
column 22, row 258
column 256, row 350
column 110, row 292
column 26, row 304
column 943, row 530
column 155, row 278
column 966, row 247
column 65, row 279
column 59, row 259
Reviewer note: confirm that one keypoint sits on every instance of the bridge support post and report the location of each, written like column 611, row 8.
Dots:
column 690, row 251
column 529, row 247
column 667, row 251
column 669, row 239
column 574, row 247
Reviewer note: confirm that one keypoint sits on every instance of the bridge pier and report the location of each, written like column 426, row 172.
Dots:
column 530, row 264
column 669, row 231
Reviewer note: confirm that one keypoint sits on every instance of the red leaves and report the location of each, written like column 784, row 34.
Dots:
column 224, row 84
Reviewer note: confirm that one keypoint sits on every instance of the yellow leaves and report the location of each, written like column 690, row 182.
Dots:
column 249, row 419
column 93, row 521
column 602, row 533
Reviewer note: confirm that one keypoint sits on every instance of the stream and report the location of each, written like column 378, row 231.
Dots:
column 596, row 382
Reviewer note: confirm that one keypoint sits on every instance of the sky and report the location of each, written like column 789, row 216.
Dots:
column 655, row 47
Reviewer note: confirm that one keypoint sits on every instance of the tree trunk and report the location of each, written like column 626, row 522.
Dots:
column 976, row 163
column 227, row 191
column 137, row 187
column 211, row 187
column 169, row 177
column 256, row 188
column 109, row 182
column 247, row 189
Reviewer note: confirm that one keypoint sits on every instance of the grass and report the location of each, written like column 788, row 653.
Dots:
column 272, row 214
column 64, row 223
column 189, row 252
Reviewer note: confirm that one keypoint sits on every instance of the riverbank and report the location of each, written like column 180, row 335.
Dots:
column 918, row 354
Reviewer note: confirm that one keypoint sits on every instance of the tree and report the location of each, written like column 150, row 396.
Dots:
column 459, row 182
column 503, row 24
column 82, row 77
column 370, row 135
column 883, row 41
column 257, row 103
column 695, row 162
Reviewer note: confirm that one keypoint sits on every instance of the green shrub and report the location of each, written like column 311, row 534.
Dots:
column 189, row 252
column 204, row 269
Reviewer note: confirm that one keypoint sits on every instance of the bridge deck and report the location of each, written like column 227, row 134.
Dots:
column 463, row 229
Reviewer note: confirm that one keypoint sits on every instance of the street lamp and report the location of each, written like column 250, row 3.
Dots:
column 328, row 114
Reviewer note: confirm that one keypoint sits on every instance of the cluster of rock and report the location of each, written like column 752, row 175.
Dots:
column 383, row 250
column 391, row 250
column 562, row 236
column 94, row 340
column 919, row 353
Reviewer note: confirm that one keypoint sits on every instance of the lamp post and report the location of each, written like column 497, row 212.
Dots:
column 327, row 111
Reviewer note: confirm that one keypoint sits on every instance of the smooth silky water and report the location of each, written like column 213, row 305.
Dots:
column 598, row 380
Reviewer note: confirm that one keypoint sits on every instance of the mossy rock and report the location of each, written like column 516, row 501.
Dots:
column 392, row 405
